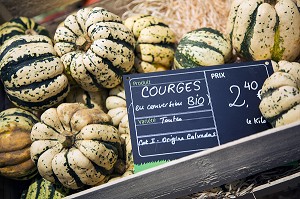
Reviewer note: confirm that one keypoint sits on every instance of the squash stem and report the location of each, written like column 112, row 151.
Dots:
column 30, row 32
column 66, row 140
column 83, row 42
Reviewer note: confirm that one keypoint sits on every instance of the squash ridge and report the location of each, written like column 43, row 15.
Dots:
column 95, row 80
column 34, row 85
column 37, row 105
column 71, row 171
column 245, row 45
column 8, row 70
column 17, row 43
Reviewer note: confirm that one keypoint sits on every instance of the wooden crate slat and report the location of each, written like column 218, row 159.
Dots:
column 207, row 169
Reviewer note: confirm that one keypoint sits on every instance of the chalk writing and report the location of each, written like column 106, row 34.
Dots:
column 172, row 119
column 141, row 83
column 256, row 120
column 179, row 112
column 152, row 91
column 173, row 139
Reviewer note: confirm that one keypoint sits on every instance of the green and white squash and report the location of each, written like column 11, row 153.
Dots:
column 155, row 45
column 202, row 47
column 95, row 47
column 117, row 110
column 280, row 96
column 116, row 106
column 43, row 189
column 90, row 99
column 21, row 26
column 15, row 128
column 265, row 29
column 31, row 72
column 75, row 146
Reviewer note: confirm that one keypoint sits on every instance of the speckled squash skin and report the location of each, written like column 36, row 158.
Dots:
column 261, row 29
column 75, row 146
column 43, row 189
column 155, row 45
column 280, row 96
column 202, row 47
column 15, row 128
column 21, row 26
column 90, row 99
column 31, row 72
column 95, row 47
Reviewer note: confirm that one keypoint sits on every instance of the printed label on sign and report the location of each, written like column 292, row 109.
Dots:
column 176, row 113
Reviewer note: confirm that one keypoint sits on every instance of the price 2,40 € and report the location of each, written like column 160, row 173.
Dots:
column 237, row 91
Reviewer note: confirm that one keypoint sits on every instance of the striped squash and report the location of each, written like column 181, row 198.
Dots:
column 15, row 128
column 280, row 96
column 75, row 146
column 155, row 45
column 202, row 47
column 261, row 29
column 90, row 99
column 95, row 47
column 31, row 72
column 21, row 26
column 43, row 189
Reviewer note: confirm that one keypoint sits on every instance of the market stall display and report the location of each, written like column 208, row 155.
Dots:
column 73, row 78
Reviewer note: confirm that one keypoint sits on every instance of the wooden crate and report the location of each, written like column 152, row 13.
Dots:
column 211, row 168
column 195, row 173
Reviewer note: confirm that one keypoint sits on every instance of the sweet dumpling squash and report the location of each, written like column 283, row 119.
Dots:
column 32, row 73
column 155, row 45
column 21, row 26
column 202, row 47
column 15, row 128
column 116, row 106
column 261, row 29
column 75, row 146
column 43, row 189
column 95, row 47
column 280, row 96
column 117, row 110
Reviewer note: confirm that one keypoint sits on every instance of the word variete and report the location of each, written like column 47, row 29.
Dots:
column 175, row 113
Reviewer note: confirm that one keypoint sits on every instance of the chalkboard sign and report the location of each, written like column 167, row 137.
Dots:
column 179, row 112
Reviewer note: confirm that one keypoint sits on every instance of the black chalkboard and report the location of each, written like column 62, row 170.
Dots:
column 179, row 112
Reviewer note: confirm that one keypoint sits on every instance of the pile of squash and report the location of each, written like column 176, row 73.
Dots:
column 70, row 121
